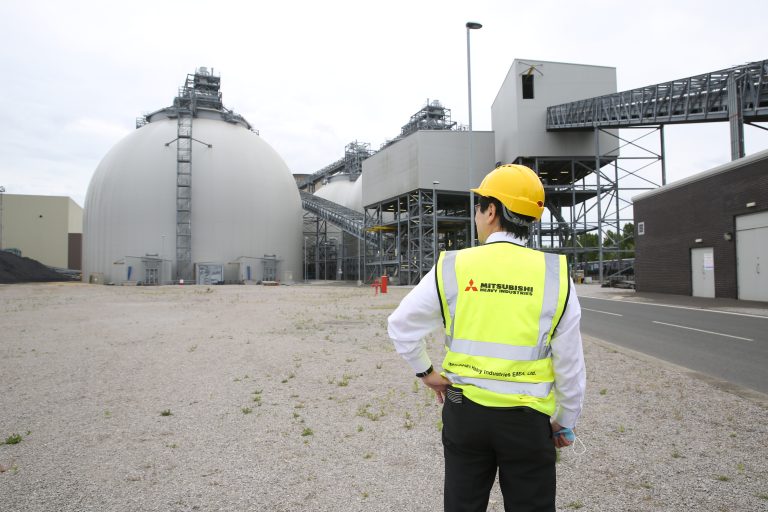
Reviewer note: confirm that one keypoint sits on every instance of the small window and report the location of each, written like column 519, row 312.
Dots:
column 641, row 228
column 527, row 87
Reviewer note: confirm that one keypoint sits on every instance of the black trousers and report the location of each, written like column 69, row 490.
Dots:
column 477, row 440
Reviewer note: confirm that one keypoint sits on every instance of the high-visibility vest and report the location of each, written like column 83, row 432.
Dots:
column 501, row 304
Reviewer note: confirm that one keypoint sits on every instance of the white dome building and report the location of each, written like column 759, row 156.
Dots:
column 214, row 205
column 341, row 190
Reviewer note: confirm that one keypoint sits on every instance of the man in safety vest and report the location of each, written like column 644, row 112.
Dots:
column 513, row 372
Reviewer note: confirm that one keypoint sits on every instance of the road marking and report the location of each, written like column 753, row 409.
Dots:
column 764, row 317
column 702, row 330
column 603, row 312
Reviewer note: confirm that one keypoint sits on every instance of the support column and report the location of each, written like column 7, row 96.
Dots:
column 735, row 118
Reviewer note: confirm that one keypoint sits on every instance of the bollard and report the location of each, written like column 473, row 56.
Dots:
column 384, row 284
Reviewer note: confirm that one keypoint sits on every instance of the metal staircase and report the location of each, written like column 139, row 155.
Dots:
column 348, row 220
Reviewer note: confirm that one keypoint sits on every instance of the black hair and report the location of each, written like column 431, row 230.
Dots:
column 520, row 230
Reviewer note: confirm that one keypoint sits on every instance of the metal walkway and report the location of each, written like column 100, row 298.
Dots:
column 348, row 220
column 700, row 98
column 351, row 164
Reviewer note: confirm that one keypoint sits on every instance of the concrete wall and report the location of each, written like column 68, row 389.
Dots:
column 520, row 124
column 40, row 226
column 423, row 157
column 703, row 207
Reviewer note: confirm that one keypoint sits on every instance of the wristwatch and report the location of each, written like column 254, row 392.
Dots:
column 425, row 372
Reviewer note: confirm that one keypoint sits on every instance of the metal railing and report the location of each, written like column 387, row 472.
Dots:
column 348, row 220
column 698, row 98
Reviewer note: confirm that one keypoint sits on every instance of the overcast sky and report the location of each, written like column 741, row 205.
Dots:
column 312, row 76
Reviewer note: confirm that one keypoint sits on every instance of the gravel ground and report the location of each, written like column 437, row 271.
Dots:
column 292, row 398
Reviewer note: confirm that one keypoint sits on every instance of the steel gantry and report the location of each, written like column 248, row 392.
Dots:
column 738, row 94
column 350, row 164
column 595, row 196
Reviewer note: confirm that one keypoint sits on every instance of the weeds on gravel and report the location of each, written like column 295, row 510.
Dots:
column 246, row 410
column 575, row 504
column 646, row 485
column 676, row 454
column 13, row 468
column 723, row 478
column 603, row 391
column 166, row 412
column 762, row 495
column 740, row 467
column 621, row 429
column 344, row 380
column 367, row 455
column 307, row 432
column 13, row 439
column 409, row 424
column 364, row 412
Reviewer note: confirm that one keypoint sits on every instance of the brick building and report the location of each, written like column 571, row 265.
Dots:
column 706, row 235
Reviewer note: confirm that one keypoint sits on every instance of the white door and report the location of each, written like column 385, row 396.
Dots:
column 752, row 256
column 703, row 272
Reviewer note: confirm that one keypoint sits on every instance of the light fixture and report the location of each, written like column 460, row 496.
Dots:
column 751, row 205
column 698, row 240
column 727, row 236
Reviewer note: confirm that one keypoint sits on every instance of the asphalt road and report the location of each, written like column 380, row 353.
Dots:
column 728, row 346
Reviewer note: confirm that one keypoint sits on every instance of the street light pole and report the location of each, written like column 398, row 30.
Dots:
column 434, row 221
column 471, row 25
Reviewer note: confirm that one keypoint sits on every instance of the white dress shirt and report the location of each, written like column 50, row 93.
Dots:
column 419, row 314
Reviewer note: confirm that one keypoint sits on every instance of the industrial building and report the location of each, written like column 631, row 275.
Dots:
column 706, row 235
column 563, row 121
column 45, row 228
column 206, row 181
column 193, row 195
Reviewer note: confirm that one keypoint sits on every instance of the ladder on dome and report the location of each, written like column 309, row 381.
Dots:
column 184, row 196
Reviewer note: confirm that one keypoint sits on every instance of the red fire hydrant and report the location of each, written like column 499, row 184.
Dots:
column 375, row 285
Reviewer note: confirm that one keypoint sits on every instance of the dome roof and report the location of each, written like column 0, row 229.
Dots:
column 341, row 190
column 244, row 200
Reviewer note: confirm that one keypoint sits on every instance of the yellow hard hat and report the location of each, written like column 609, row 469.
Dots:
column 517, row 187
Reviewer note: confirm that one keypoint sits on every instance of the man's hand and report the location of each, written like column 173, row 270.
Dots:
column 437, row 383
column 560, row 441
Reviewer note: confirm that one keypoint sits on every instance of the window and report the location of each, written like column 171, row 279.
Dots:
column 527, row 87
column 641, row 228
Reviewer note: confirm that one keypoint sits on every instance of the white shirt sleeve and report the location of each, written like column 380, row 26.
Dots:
column 568, row 362
column 418, row 314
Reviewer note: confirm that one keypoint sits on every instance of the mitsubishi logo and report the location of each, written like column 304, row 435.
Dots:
column 471, row 286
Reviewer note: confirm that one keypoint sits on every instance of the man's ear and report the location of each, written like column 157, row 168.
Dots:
column 492, row 212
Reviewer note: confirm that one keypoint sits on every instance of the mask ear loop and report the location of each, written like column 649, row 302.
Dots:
column 583, row 449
